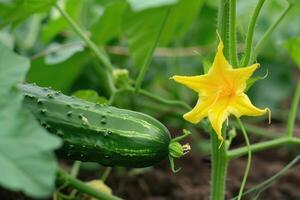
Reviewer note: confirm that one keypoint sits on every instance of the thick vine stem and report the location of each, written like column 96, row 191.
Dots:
column 232, row 34
column 223, row 24
column 219, row 168
column 65, row 179
column 250, row 33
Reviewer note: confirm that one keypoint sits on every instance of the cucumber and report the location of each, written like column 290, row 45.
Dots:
column 100, row 133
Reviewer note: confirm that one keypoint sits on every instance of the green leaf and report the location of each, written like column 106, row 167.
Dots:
column 27, row 162
column 294, row 1
column 59, row 76
column 138, row 5
column 293, row 48
column 180, row 19
column 109, row 24
column 16, row 11
column 90, row 95
column 142, row 29
column 60, row 53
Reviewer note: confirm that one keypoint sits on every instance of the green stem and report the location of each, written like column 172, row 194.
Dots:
column 219, row 168
column 232, row 154
column 250, row 33
column 163, row 100
column 75, row 168
column 106, row 173
column 293, row 112
column 271, row 29
column 156, row 98
column 148, row 57
column 246, row 173
column 99, row 54
column 223, row 24
column 66, row 179
column 256, row 130
column 232, row 34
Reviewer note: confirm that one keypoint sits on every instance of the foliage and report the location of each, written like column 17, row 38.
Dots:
column 26, row 158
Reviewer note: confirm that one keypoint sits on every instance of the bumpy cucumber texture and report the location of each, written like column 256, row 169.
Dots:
column 101, row 133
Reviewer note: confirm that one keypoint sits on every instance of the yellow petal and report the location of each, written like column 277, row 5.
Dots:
column 220, row 63
column 218, row 114
column 196, row 83
column 241, row 75
column 241, row 105
column 200, row 110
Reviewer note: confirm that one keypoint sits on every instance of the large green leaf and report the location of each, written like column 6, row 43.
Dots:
column 179, row 20
column 143, row 28
column 60, row 76
column 139, row 5
column 27, row 162
column 293, row 47
column 109, row 24
column 15, row 11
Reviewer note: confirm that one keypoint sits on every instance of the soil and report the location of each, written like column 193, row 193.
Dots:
column 193, row 181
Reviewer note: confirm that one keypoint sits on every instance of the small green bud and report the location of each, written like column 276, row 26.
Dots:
column 121, row 77
column 176, row 150
column 232, row 133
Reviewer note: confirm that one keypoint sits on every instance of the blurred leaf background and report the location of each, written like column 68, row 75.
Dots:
column 128, row 29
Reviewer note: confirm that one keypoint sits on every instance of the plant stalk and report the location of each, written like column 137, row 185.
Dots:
column 219, row 168
column 223, row 24
column 232, row 34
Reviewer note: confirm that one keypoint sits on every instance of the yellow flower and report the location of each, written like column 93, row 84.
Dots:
column 221, row 93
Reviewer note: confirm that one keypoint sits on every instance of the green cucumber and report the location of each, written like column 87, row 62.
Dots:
column 100, row 133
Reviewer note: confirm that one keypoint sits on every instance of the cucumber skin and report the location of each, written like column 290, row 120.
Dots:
column 98, row 133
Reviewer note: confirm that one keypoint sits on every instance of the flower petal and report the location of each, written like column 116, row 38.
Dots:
column 200, row 110
column 241, row 75
column 199, row 84
column 241, row 105
column 220, row 63
column 218, row 114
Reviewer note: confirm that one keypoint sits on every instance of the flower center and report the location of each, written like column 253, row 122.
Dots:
column 227, row 91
